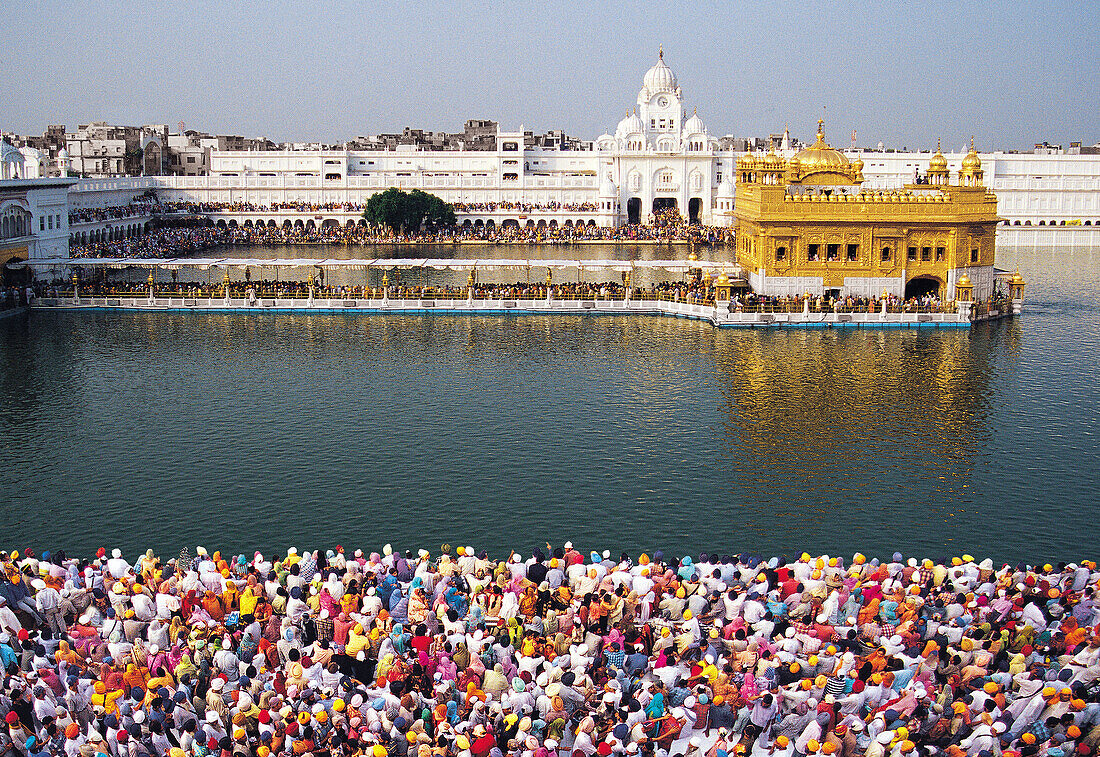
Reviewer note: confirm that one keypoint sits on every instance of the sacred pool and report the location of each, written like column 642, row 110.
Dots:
column 159, row 429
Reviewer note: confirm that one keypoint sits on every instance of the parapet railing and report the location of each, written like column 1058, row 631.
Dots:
column 824, row 307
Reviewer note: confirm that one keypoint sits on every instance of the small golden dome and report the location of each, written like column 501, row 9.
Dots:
column 937, row 162
column 722, row 280
column 1017, row 278
column 771, row 159
column 820, row 156
column 964, row 281
column 972, row 162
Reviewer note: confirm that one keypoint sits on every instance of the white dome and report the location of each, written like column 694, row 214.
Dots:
column 694, row 125
column 660, row 78
column 629, row 125
column 63, row 154
column 725, row 189
column 10, row 154
column 608, row 189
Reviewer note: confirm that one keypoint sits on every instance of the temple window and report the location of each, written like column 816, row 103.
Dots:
column 853, row 252
column 941, row 253
column 780, row 253
column 912, row 253
column 974, row 255
column 811, row 252
column 925, row 253
column 832, row 251
column 885, row 253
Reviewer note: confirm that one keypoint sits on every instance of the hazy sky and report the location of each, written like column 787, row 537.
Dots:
column 904, row 73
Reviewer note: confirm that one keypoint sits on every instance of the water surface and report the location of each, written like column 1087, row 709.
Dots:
column 265, row 431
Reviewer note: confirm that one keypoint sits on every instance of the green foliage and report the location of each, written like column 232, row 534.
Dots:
column 407, row 211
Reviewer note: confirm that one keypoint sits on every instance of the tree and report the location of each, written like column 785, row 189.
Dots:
column 407, row 211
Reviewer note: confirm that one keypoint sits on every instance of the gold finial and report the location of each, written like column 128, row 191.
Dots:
column 938, row 144
column 661, row 52
column 972, row 143
column 821, row 130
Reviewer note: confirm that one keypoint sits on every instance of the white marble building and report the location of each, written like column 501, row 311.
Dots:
column 658, row 157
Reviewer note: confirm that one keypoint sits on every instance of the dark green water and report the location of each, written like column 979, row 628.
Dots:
column 626, row 433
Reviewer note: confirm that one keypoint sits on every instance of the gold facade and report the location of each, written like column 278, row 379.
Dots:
column 808, row 219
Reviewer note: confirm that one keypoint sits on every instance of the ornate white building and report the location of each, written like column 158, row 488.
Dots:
column 657, row 159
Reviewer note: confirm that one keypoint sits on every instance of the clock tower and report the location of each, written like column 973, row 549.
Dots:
column 660, row 102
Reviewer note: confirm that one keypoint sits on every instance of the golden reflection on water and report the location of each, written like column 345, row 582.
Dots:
column 812, row 417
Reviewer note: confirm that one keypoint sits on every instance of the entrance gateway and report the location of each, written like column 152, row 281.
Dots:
column 920, row 286
column 664, row 203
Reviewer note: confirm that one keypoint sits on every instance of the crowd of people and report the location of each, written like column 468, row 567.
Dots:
column 141, row 206
column 794, row 303
column 558, row 653
column 395, row 288
column 526, row 207
column 15, row 296
column 174, row 241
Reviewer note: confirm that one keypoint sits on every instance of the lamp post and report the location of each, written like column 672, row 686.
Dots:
column 964, row 296
column 1016, row 292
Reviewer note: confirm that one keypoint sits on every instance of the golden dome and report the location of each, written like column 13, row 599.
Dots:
column 964, row 281
column 1017, row 278
column 820, row 156
column 722, row 280
column 771, row 159
column 937, row 162
column 972, row 162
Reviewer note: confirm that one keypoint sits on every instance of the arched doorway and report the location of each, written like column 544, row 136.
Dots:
column 634, row 210
column 152, row 158
column 664, row 203
column 695, row 209
column 14, row 277
column 922, row 285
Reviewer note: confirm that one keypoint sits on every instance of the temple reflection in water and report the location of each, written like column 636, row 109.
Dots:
column 814, row 421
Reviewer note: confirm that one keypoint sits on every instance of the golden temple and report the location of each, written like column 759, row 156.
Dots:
column 806, row 225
